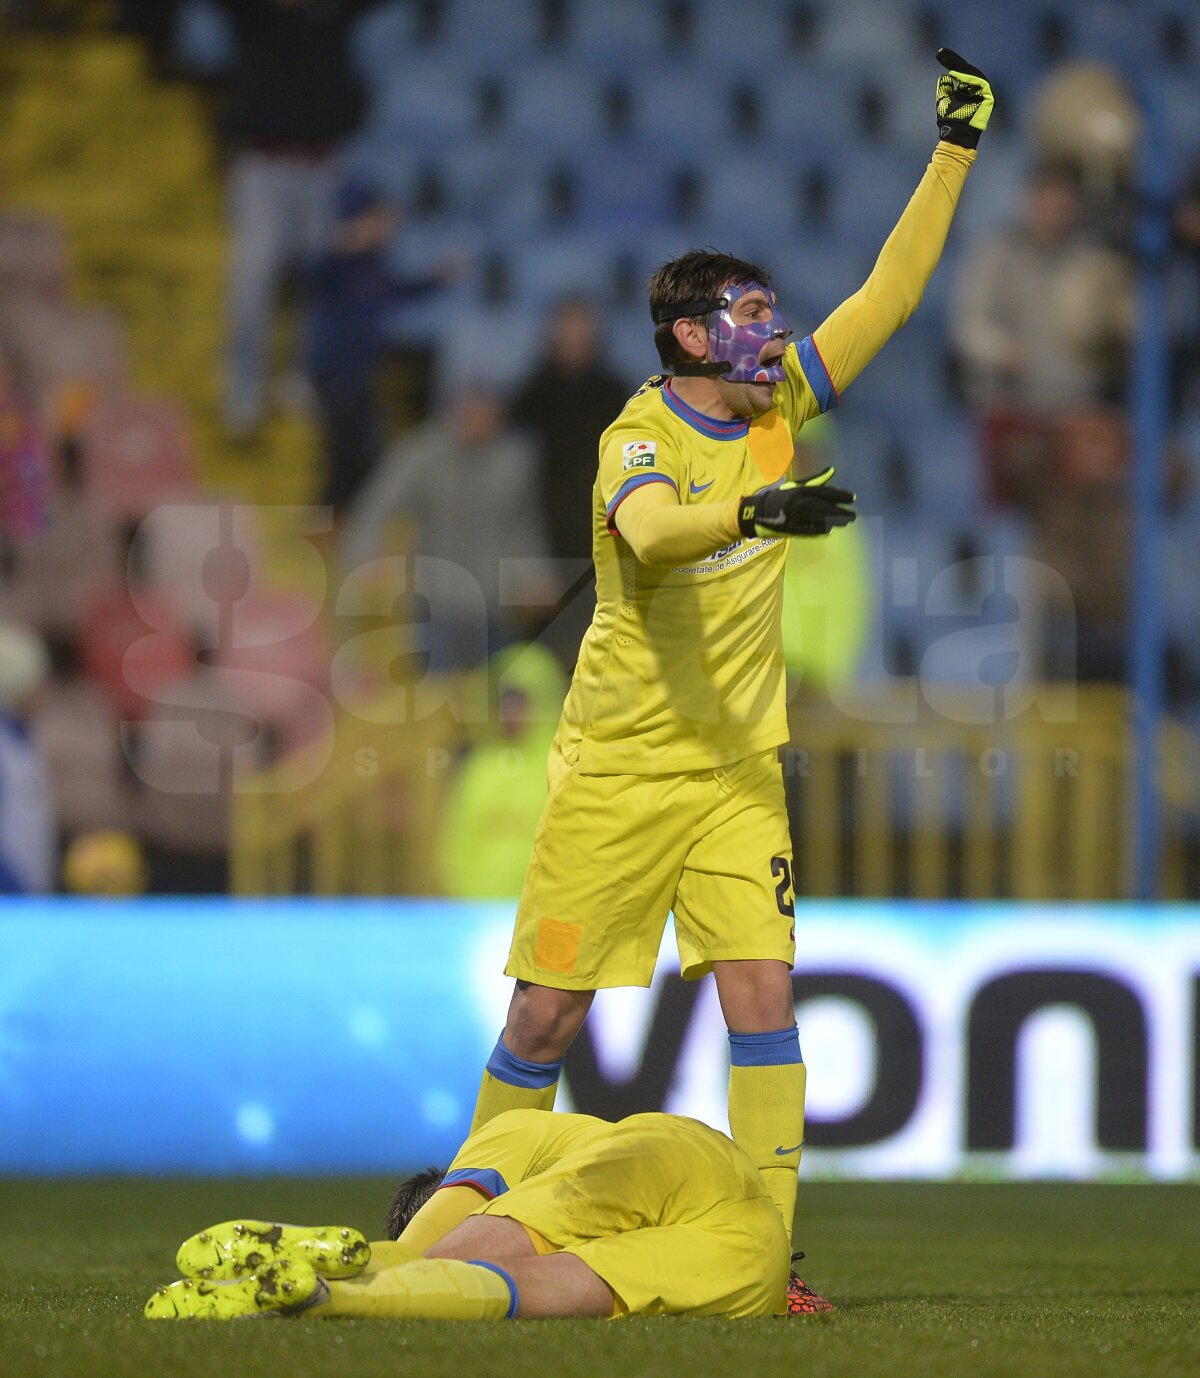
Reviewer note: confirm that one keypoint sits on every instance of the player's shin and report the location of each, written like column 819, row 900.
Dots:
column 514, row 1083
column 433, row 1289
column 766, row 1109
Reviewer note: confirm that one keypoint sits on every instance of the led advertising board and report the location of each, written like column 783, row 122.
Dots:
column 222, row 1036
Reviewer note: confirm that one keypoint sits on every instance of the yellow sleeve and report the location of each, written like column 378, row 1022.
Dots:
column 445, row 1210
column 662, row 532
column 634, row 457
column 858, row 329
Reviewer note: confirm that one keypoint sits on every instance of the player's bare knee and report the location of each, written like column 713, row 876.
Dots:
column 543, row 1021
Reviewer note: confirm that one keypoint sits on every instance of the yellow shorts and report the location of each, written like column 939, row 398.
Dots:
column 614, row 854
column 671, row 1214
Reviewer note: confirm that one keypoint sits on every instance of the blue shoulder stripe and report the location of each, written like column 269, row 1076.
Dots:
column 629, row 485
column 817, row 374
column 484, row 1179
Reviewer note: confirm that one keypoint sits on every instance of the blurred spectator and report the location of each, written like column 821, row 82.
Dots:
column 568, row 399
column 827, row 592
column 498, row 794
column 468, row 485
column 1084, row 117
column 1042, row 315
column 1185, row 293
column 24, row 462
column 27, row 820
column 293, row 98
column 1042, row 322
column 351, row 288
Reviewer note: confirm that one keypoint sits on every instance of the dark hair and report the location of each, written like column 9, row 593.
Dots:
column 695, row 276
column 410, row 1196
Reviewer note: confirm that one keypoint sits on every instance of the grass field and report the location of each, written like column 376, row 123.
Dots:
column 930, row 1281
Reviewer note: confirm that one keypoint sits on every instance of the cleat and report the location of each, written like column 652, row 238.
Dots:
column 284, row 1288
column 239, row 1247
column 801, row 1299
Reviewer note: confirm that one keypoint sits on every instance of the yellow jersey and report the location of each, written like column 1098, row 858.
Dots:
column 683, row 669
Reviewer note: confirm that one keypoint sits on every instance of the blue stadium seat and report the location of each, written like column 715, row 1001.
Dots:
column 685, row 113
column 480, row 36
column 553, row 107
column 425, row 104
column 204, row 41
column 383, row 42
column 748, row 199
column 867, row 32
column 492, row 346
column 612, row 35
column 623, row 189
column 556, row 265
column 748, row 38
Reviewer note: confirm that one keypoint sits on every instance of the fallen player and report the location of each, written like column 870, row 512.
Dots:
column 539, row 1215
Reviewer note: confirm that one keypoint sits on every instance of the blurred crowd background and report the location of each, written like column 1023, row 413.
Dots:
column 311, row 315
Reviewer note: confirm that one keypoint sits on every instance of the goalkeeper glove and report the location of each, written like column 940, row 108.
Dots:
column 964, row 101
column 804, row 507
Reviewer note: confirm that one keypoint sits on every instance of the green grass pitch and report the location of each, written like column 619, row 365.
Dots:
column 930, row 1281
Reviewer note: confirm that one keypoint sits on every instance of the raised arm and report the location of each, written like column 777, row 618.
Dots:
column 858, row 329
column 661, row 531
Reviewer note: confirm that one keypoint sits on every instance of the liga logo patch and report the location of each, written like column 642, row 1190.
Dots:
column 638, row 454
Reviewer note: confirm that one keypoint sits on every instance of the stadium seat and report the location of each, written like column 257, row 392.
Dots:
column 425, row 105
column 493, row 346
column 554, row 266
column 870, row 33
column 383, row 41
column 552, row 108
column 737, row 40
column 609, row 36
column 683, row 116
column 475, row 37
column 204, row 39
column 137, row 453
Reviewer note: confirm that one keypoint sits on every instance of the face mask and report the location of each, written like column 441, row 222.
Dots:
column 739, row 346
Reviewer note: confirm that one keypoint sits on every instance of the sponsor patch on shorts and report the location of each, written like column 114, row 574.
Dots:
column 557, row 946
column 638, row 454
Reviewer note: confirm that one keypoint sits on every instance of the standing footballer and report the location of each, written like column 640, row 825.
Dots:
column 665, row 786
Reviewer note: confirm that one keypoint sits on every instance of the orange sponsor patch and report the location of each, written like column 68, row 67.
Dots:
column 771, row 445
column 557, row 945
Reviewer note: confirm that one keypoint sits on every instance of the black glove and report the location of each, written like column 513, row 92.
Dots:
column 964, row 101
column 803, row 507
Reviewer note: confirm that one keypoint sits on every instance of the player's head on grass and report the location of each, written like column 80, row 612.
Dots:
column 684, row 342
column 410, row 1196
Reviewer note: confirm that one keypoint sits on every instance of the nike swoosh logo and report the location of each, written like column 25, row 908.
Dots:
column 783, row 1152
column 700, row 487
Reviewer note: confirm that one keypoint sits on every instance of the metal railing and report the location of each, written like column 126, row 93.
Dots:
column 887, row 797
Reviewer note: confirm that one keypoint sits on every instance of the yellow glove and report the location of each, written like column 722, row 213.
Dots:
column 964, row 101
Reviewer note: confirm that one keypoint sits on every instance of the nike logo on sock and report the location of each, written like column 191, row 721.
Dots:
column 700, row 487
column 783, row 1152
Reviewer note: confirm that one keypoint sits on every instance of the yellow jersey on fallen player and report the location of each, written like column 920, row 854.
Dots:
column 682, row 669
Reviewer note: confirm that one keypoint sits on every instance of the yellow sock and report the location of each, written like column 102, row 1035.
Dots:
column 766, row 1110
column 433, row 1289
column 388, row 1253
column 511, row 1083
